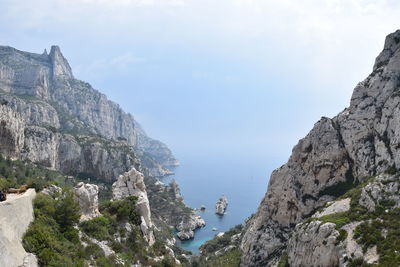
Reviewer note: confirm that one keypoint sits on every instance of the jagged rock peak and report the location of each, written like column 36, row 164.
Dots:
column 60, row 66
column 392, row 44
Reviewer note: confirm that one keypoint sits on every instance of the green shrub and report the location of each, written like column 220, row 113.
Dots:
column 220, row 242
column 342, row 235
column 284, row 261
column 124, row 210
column 98, row 227
column 52, row 236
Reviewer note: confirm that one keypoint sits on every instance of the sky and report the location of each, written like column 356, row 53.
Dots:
column 234, row 78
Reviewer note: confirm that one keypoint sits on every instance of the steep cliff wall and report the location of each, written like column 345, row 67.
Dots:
column 362, row 140
column 16, row 215
column 102, row 158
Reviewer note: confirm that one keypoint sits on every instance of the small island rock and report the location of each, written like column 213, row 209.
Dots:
column 221, row 205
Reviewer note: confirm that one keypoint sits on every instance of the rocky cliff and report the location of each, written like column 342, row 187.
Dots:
column 17, row 214
column 57, row 110
column 361, row 141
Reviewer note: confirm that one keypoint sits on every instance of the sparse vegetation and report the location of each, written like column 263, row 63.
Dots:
column 369, row 233
column 284, row 261
column 220, row 242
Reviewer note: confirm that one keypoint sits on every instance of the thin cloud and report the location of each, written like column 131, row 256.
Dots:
column 120, row 63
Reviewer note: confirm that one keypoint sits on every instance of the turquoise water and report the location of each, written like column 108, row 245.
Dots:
column 203, row 181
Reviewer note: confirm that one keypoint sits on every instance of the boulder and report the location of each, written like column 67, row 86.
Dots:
column 52, row 190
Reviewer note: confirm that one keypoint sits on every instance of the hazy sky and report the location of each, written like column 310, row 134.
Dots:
column 246, row 78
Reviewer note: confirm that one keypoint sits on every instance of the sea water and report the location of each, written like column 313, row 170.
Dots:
column 203, row 181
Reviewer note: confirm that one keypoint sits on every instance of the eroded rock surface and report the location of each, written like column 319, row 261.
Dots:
column 87, row 196
column 314, row 244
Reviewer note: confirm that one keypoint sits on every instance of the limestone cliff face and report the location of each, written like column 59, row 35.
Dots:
column 16, row 215
column 57, row 110
column 11, row 132
column 362, row 140
column 102, row 158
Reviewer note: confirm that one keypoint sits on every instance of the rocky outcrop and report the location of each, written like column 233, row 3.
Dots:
column 362, row 140
column 185, row 235
column 188, row 225
column 52, row 190
column 176, row 190
column 167, row 206
column 384, row 187
column 87, row 196
column 132, row 184
column 16, row 215
column 221, row 205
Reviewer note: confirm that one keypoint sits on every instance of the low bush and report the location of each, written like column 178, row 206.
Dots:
column 124, row 210
column 100, row 228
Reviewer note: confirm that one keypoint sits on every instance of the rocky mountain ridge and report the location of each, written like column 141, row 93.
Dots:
column 361, row 141
column 56, row 106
